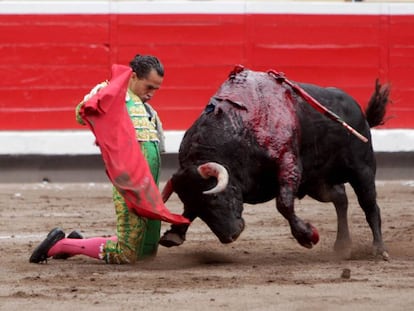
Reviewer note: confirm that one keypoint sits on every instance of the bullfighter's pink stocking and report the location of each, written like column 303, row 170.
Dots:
column 91, row 247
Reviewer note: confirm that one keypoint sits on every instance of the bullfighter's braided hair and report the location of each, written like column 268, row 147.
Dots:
column 143, row 64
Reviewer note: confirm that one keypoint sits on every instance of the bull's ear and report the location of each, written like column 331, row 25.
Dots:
column 218, row 111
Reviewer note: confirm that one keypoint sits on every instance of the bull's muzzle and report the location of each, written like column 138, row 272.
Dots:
column 233, row 237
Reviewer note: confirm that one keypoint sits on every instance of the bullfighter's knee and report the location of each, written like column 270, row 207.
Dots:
column 122, row 256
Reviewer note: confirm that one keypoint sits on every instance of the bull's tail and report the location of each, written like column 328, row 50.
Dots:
column 377, row 105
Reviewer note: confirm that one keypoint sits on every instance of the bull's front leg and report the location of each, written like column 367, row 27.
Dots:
column 304, row 233
column 175, row 236
column 289, row 178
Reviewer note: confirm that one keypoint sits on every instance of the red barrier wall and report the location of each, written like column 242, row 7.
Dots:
column 48, row 62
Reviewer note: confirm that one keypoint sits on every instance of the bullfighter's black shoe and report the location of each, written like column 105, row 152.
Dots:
column 73, row 235
column 40, row 253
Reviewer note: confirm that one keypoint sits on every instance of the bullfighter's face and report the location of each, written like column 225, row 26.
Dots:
column 145, row 88
column 222, row 211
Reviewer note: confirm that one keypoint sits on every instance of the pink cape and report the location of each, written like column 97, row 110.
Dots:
column 107, row 117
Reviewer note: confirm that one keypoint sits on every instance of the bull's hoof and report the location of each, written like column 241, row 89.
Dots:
column 315, row 235
column 343, row 253
column 379, row 250
column 343, row 248
column 384, row 254
column 170, row 239
column 312, row 240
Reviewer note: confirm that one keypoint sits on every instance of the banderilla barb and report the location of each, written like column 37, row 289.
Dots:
column 315, row 104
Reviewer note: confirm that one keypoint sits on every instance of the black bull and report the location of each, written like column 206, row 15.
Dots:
column 257, row 140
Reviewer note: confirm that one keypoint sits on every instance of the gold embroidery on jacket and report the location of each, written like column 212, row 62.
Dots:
column 144, row 123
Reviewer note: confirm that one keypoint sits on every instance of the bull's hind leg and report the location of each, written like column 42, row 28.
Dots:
column 343, row 241
column 364, row 187
column 337, row 195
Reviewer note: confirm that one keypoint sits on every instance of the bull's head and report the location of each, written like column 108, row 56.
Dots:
column 208, row 193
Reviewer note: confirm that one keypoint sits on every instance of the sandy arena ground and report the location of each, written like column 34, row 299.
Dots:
column 265, row 269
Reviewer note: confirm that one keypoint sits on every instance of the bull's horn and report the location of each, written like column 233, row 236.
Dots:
column 167, row 191
column 215, row 170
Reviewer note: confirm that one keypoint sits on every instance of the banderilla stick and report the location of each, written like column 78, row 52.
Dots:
column 315, row 104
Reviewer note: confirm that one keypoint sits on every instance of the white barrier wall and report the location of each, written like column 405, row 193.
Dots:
column 82, row 142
